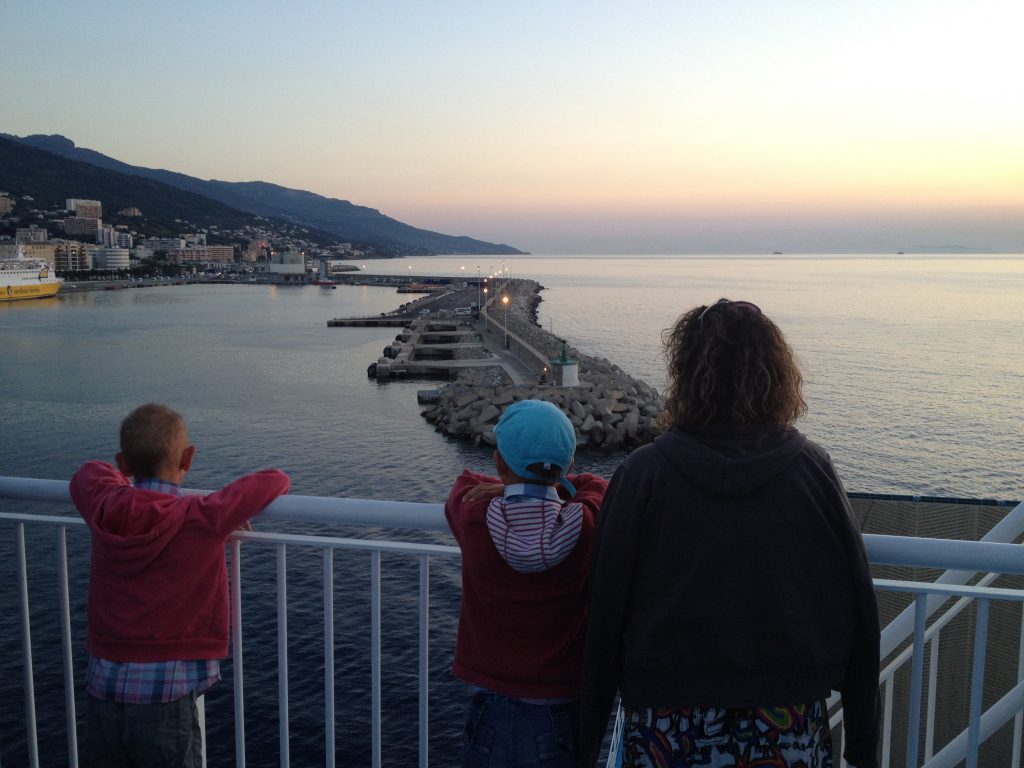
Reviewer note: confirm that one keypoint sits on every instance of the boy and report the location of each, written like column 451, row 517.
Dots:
column 158, row 596
column 525, row 563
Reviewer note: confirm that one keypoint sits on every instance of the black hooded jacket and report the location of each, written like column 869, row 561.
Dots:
column 729, row 571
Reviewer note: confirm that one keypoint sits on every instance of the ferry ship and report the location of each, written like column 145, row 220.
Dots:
column 22, row 278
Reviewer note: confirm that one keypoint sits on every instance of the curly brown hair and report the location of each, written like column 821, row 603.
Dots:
column 728, row 364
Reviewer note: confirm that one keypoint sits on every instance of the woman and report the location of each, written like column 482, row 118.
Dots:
column 730, row 590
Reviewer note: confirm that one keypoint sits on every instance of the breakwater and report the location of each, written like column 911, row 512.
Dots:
column 609, row 409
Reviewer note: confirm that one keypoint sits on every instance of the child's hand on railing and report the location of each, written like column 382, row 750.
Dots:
column 483, row 491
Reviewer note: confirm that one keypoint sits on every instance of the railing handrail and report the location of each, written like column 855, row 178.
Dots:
column 291, row 508
column 954, row 554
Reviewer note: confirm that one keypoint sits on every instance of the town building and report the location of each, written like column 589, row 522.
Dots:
column 287, row 267
column 31, row 234
column 85, row 209
column 257, row 250
column 72, row 256
column 6, row 205
column 202, row 253
column 81, row 225
column 166, row 244
column 104, row 257
column 113, row 238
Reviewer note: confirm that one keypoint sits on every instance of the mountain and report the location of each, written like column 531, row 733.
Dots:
column 349, row 222
column 51, row 179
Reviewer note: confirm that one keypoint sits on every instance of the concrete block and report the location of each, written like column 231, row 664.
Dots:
column 488, row 414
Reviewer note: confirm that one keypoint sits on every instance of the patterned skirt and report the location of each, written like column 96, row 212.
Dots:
column 761, row 737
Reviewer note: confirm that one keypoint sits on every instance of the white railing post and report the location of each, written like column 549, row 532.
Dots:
column 887, row 720
column 916, row 675
column 26, row 652
column 282, row 654
column 977, row 683
column 70, row 718
column 375, row 697
column 933, row 682
column 236, row 651
column 1018, row 719
column 424, row 660
column 329, row 655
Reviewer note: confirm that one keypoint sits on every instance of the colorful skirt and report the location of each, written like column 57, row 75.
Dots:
column 712, row 737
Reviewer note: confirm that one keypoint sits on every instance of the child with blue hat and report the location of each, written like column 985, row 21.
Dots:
column 526, row 539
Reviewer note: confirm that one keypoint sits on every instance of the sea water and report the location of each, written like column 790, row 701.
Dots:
column 914, row 370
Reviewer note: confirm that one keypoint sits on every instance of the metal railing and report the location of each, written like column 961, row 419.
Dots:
column 907, row 642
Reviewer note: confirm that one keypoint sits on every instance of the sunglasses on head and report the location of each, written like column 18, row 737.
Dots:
column 744, row 305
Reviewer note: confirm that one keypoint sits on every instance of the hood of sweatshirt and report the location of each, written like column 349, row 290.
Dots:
column 730, row 461
column 132, row 526
column 534, row 534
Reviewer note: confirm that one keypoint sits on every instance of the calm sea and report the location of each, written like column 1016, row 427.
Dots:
column 914, row 370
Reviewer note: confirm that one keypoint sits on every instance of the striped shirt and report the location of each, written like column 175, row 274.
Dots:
column 157, row 682
column 532, row 528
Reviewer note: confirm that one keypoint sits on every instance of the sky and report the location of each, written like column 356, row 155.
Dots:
column 691, row 126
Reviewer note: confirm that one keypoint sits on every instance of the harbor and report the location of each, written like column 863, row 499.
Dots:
column 265, row 382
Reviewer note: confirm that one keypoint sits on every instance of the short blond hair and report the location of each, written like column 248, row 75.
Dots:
column 149, row 436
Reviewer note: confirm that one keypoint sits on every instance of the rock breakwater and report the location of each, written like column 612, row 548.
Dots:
column 610, row 410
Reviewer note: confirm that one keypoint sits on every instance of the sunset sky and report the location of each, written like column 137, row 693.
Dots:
column 562, row 127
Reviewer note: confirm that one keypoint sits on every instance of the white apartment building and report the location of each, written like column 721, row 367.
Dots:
column 104, row 257
column 113, row 238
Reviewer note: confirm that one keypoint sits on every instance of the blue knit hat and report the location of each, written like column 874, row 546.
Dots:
column 536, row 432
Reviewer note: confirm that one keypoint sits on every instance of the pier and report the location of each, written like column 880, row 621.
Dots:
column 495, row 354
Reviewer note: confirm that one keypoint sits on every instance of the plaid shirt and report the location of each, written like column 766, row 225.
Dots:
column 158, row 682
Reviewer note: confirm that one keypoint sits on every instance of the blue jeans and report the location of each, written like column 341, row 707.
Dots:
column 506, row 733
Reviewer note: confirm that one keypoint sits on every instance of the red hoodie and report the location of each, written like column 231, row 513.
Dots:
column 520, row 634
column 158, row 589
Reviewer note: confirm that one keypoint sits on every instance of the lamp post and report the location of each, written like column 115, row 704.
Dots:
column 504, row 305
column 483, row 307
column 478, row 305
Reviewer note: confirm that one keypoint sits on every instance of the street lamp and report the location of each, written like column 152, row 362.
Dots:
column 504, row 305
column 483, row 307
column 478, row 288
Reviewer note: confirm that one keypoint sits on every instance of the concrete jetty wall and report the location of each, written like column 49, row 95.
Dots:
column 610, row 410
